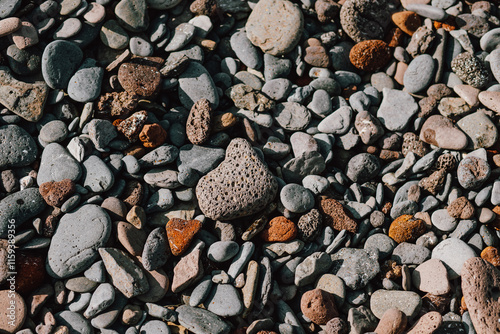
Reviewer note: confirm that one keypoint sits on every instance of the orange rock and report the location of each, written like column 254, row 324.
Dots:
column 370, row 55
column 491, row 255
column 463, row 306
column 407, row 21
column 449, row 24
column 394, row 37
column 180, row 233
column 406, row 228
column 279, row 229
column 55, row 193
column 496, row 222
column 153, row 135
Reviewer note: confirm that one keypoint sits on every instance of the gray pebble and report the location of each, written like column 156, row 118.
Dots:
column 222, row 251
column 296, row 198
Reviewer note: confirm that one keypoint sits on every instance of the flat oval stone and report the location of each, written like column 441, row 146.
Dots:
column 132, row 15
column 183, row 34
column 195, row 83
column 17, row 147
column 490, row 40
column 440, row 131
column 155, row 327
column 407, row 302
column 19, row 206
column 225, row 301
column 113, row 35
column 74, row 248
column 453, row 253
column 9, row 7
column 200, row 321
column 245, row 50
column 9, row 25
column 85, row 84
column 60, row 60
column 54, row 132
column 97, row 176
column 275, row 26
column 419, row 74
column 69, row 28
column 57, row 164
column 95, row 13
column 12, row 303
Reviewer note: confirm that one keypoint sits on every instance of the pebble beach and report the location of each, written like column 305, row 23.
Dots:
column 249, row 167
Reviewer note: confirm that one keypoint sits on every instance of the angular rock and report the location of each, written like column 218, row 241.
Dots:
column 17, row 147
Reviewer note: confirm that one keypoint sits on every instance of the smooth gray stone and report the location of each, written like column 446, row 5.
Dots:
column 490, row 40
column 201, row 291
column 407, row 253
column 286, row 315
column 426, row 161
column 404, row 208
column 195, row 83
column 161, row 200
column 201, row 321
column 110, row 315
column 75, row 322
column 80, row 302
column 60, row 60
column 433, row 13
column 96, row 272
column 71, row 253
column 17, row 147
column 160, row 156
column 464, row 229
column 154, row 254
column 382, row 243
column 102, row 297
column 359, row 101
column 321, row 104
column 9, row 7
column 57, row 164
column 396, row 109
column 225, row 301
column 241, row 259
column 338, row 122
column 419, row 74
column 97, row 177
column 199, row 158
column 132, row 15
column 296, row 198
column 85, row 84
column 17, row 208
column 53, row 132
column 408, row 302
column 276, row 67
column 183, row 34
column 140, row 47
column 222, row 251
column 453, row 253
column 25, row 61
column 313, row 266
column 245, row 50
column 154, row 327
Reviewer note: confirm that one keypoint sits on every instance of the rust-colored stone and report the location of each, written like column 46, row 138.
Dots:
column 491, row 255
column 370, row 55
column 461, row 208
column 336, row 216
column 153, row 135
column 180, row 233
column 140, row 79
column 319, row 306
column 406, row 228
column 133, row 193
column 55, row 193
column 279, row 229
column 407, row 21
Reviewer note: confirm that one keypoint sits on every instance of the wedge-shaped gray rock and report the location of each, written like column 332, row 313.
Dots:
column 196, row 84
column 201, row 321
column 97, row 177
column 24, row 99
column 396, row 109
column 356, row 267
column 240, row 186
column 57, row 164
column 76, row 240
column 126, row 276
column 19, row 207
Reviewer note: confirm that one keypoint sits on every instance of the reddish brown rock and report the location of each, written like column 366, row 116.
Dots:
column 370, row 55
column 434, row 183
column 279, row 229
column 446, row 162
column 153, row 135
column 199, row 122
column 140, row 79
column 392, row 322
column 117, row 104
column 406, row 228
column 316, row 56
column 16, row 301
column 427, row 324
column 491, row 255
column 180, row 233
column 461, row 208
column 132, row 126
column 55, row 193
column 407, row 21
column 481, row 286
column 319, row 306
column 30, row 268
column 337, row 326
column 336, row 216
column 411, row 143
column 133, row 193
column 131, row 238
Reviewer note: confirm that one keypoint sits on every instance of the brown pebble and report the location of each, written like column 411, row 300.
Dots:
column 140, row 79
column 434, row 183
column 461, row 208
column 491, row 255
column 392, row 322
column 132, row 126
column 55, row 193
column 223, row 122
column 319, row 306
column 153, row 135
column 316, row 56
column 427, row 324
column 370, row 55
column 199, row 122
column 180, row 233
column 336, row 216
column 279, row 229
column 326, row 10
column 407, row 21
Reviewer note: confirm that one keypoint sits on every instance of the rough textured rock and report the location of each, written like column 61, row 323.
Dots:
column 180, row 233
column 275, row 26
column 55, row 193
column 319, row 306
column 406, row 228
column 336, row 216
column 24, row 99
column 240, row 186
column 363, row 19
column 480, row 285
column 199, row 122
column 370, row 55
column 17, row 147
